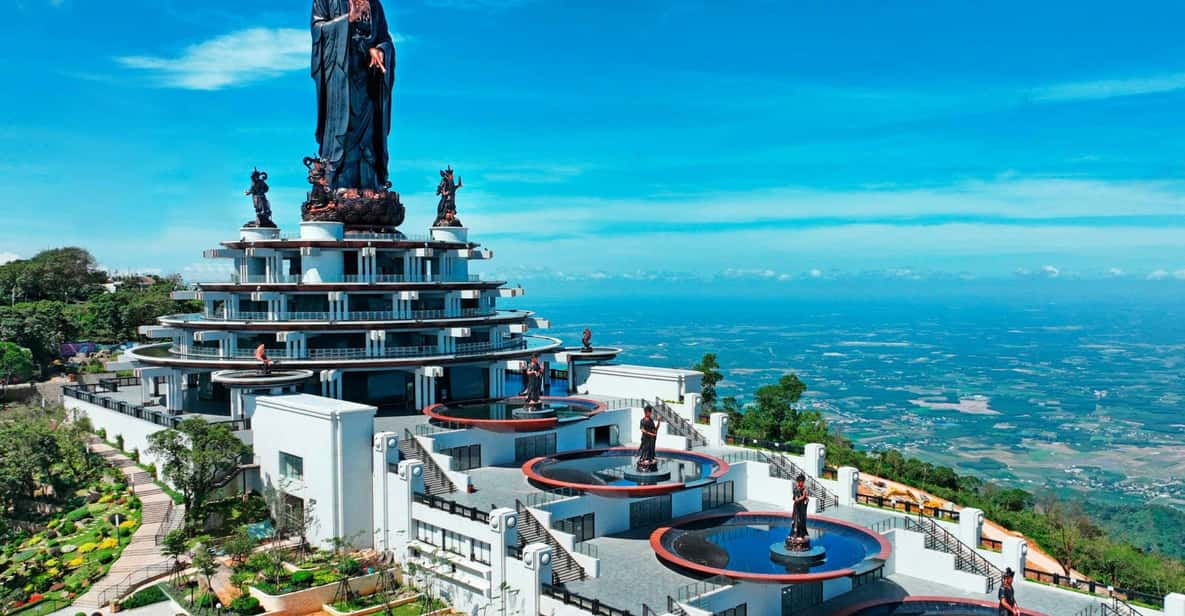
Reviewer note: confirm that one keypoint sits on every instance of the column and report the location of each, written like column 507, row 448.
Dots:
column 174, row 392
column 719, row 427
column 504, row 522
column 1014, row 554
column 537, row 558
column 384, row 453
column 331, row 384
column 813, row 458
column 849, row 479
column 970, row 526
column 1174, row 604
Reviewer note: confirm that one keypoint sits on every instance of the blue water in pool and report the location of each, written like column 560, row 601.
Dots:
column 748, row 548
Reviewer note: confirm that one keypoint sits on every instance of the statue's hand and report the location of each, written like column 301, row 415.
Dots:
column 376, row 59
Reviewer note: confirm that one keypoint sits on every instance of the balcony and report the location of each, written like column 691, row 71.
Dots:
column 470, row 348
column 360, row 315
column 344, row 279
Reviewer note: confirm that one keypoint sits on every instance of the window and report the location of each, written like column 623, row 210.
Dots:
column 528, row 447
column 583, row 527
column 427, row 533
column 740, row 610
column 464, row 457
column 455, row 543
column 480, row 552
column 650, row 511
column 291, row 467
column 717, row 494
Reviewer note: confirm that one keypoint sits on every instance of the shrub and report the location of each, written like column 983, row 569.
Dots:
column 74, row 564
column 80, row 614
column 102, row 432
column 127, row 524
column 240, row 579
column 108, row 543
column 135, row 455
column 119, row 442
column 106, row 498
column 148, row 596
column 78, row 514
column 86, row 547
column 349, row 566
column 68, row 527
column 302, row 578
column 245, row 605
column 255, row 562
column 104, row 556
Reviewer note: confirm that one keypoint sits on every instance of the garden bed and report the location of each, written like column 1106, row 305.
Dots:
column 372, row 603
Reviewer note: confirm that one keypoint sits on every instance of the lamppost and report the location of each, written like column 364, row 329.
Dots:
column 217, row 608
column 118, row 540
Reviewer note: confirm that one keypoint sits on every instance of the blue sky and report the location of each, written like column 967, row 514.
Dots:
column 766, row 140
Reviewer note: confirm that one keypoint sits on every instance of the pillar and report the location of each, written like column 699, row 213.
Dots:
column 174, row 392
column 849, row 480
column 409, row 479
column 331, row 384
column 384, row 453
column 504, row 523
column 1014, row 554
column 812, row 459
column 537, row 558
column 1174, row 604
column 970, row 526
column 718, row 432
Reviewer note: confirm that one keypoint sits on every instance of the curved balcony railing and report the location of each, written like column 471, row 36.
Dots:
column 416, row 237
column 358, row 315
column 345, row 278
column 469, row 348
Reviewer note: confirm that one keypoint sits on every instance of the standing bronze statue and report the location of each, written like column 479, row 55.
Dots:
column 447, row 191
column 799, row 539
column 258, row 194
column 353, row 67
column 586, row 341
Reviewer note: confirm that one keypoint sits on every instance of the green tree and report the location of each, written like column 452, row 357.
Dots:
column 240, row 545
column 205, row 565
column 774, row 414
column 62, row 274
column 195, row 456
column 28, row 450
column 173, row 545
column 16, row 364
column 40, row 326
column 712, row 375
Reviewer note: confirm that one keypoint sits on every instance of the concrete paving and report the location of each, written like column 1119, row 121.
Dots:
column 141, row 557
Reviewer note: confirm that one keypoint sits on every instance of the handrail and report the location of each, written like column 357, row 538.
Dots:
column 353, row 315
column 431, row 468
column 966, row 558
column 682, row 426
column 785, row 468
column 453, row 507
column 690, row 592
column 1093, row 587
column 592, row 606
column 134, row 579
column 170, row 514
column 908, row 507
column 537, row 499
column 160, row 418
column 470, row 348
column 345, row 278
column 564, row 567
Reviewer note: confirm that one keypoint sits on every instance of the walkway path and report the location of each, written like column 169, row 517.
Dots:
column 141, row 556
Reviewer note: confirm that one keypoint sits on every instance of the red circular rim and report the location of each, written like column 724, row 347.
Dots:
column 782, row 578
column 513, row 425
column 622, row 491
column 856, row 609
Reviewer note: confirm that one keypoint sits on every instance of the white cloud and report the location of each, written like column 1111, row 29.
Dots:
column 229, row 59
column 6, row 257
column 1110, row 88
column 1158, row 275
column 1115, row 272
column 815, row 273
column 1050, row 271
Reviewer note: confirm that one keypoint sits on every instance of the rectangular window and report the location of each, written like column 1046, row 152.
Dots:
column 455, row 543
column 480, row 552
column 427, row 533
column 464, row 458
column 650, row 511
column 717, row 494
column 528, row 447
column 583, row 527
column 740, row 610
column 291, row 467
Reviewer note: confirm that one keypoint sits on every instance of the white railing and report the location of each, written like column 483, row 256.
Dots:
column 357, row 315
column 345, row 279
column 471, row 348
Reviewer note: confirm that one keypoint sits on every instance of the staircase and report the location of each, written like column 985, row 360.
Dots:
column 966, row 558
column 783, row 467
column 564, row 568
column 678, row 424
column 436, row 481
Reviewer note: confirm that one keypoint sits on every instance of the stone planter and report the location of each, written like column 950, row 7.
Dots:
column 329, row 609
column 310, row 600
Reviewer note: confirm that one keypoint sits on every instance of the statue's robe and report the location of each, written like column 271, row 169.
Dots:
column 353, row 100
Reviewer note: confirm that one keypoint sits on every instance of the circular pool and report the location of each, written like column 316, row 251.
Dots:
column 737, row 545
column 614, row 472
column 928, row 606
column 514, row 414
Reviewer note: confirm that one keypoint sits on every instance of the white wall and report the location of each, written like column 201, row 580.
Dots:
column 135, row 431
column 625, row 381
column 910, row 557
column 314, row 428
